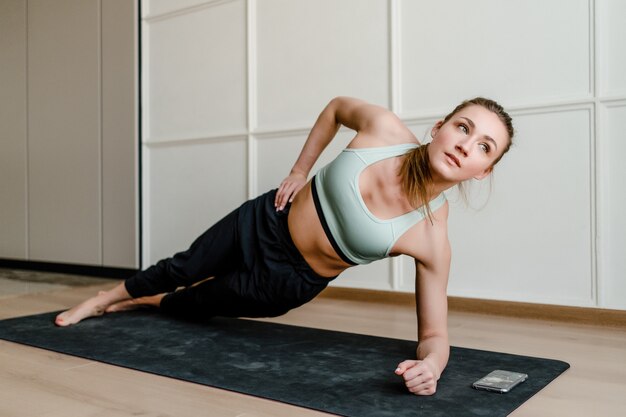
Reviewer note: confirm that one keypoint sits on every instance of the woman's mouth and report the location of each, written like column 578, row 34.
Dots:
column 453, row 159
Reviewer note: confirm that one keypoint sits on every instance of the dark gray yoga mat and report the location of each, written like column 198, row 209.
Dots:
column 341, row 373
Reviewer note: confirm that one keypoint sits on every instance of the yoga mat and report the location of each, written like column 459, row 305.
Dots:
column 335, row 372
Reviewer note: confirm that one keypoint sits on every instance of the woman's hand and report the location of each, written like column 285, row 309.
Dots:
column 288, row 189
column 420, row 377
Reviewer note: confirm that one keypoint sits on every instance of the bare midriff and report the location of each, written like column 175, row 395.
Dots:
column 309, row 237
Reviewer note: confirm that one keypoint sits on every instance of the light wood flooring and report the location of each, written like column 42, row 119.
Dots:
column 39, row 383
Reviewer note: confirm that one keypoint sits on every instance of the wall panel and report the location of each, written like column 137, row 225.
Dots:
column 611, row 28
column 119, row 137
column 376, row 276
column 452, row 50
column 196, row 73
column 422, row 129
column 277, row 154
column 532, row 239
column 13, row 144
column 64, row 131
column 189, row 187
column 613, row 207
column 68, row 144
column 310, row 51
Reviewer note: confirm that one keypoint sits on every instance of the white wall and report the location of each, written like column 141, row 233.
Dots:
column 232, row 87
column 68, row 132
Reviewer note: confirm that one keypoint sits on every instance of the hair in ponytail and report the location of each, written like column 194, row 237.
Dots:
column 417, row 180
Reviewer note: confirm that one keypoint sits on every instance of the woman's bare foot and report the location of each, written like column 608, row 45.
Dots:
column 92, row 307
column 135, row 303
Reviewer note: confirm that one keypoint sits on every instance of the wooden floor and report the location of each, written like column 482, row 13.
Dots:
column 39, row 383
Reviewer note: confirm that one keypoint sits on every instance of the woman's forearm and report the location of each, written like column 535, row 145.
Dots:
column 322, row 133
column 435, row 349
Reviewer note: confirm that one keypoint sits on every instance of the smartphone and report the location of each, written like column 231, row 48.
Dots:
column 500, row 381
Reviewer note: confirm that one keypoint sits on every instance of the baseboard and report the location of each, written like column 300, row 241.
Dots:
column 546, row 312
column 364, row 295
column 72, row 269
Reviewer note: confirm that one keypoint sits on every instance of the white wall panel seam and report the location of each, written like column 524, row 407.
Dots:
column 538, row 107
column 145, row 133
column 547, row 107
column 145, row 83
column 560, row 108
column 158, row 17
column 182, row 139
column 618, row 102
column 395, row 92
column 251, row 54
column 596, row 214
column 252, row 156
column 197, row 140
column 599, row 51
column 593, row 61
column 145, row 167
column 277, row 133
column 601, row 209
column 431, row 117
column 593, row 202
column 613, row 101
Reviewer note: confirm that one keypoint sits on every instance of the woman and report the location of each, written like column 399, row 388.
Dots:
column 382, row 196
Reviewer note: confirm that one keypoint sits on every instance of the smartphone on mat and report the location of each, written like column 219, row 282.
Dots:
column 500, row 381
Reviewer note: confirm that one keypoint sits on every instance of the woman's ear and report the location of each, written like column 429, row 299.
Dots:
column 484, row 174
column 436, row 128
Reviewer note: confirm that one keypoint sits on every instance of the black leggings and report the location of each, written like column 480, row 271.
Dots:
column 255, row 270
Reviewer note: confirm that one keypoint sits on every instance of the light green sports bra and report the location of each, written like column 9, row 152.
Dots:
column 357, row 235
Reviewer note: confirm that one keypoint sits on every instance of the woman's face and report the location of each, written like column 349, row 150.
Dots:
column 467, row 145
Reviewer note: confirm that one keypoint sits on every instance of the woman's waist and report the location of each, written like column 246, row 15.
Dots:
column 310, row 238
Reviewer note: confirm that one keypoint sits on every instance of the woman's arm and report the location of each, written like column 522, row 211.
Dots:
column 353, row 113
column 433, row 350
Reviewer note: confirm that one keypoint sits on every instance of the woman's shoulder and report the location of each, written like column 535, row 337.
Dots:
column 383, row 128
column 427, row 241
column 384, row 137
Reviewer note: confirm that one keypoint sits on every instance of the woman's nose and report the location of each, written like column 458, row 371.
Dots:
column 462, row 148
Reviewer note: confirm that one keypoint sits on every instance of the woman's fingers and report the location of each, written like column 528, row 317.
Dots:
column 287, row 191
column 418, row 377
column 404, row 366
column 283, row 195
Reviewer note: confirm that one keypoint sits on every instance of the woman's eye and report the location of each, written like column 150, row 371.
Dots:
column 464, row 128
column 484, row 147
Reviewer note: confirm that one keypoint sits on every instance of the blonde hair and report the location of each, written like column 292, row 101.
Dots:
column 417, row 180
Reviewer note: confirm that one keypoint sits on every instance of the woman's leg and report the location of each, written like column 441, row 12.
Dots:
column 269, row 278
column 222, row 296
column 94, row 306
column 211, row 253
column 135, row 303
